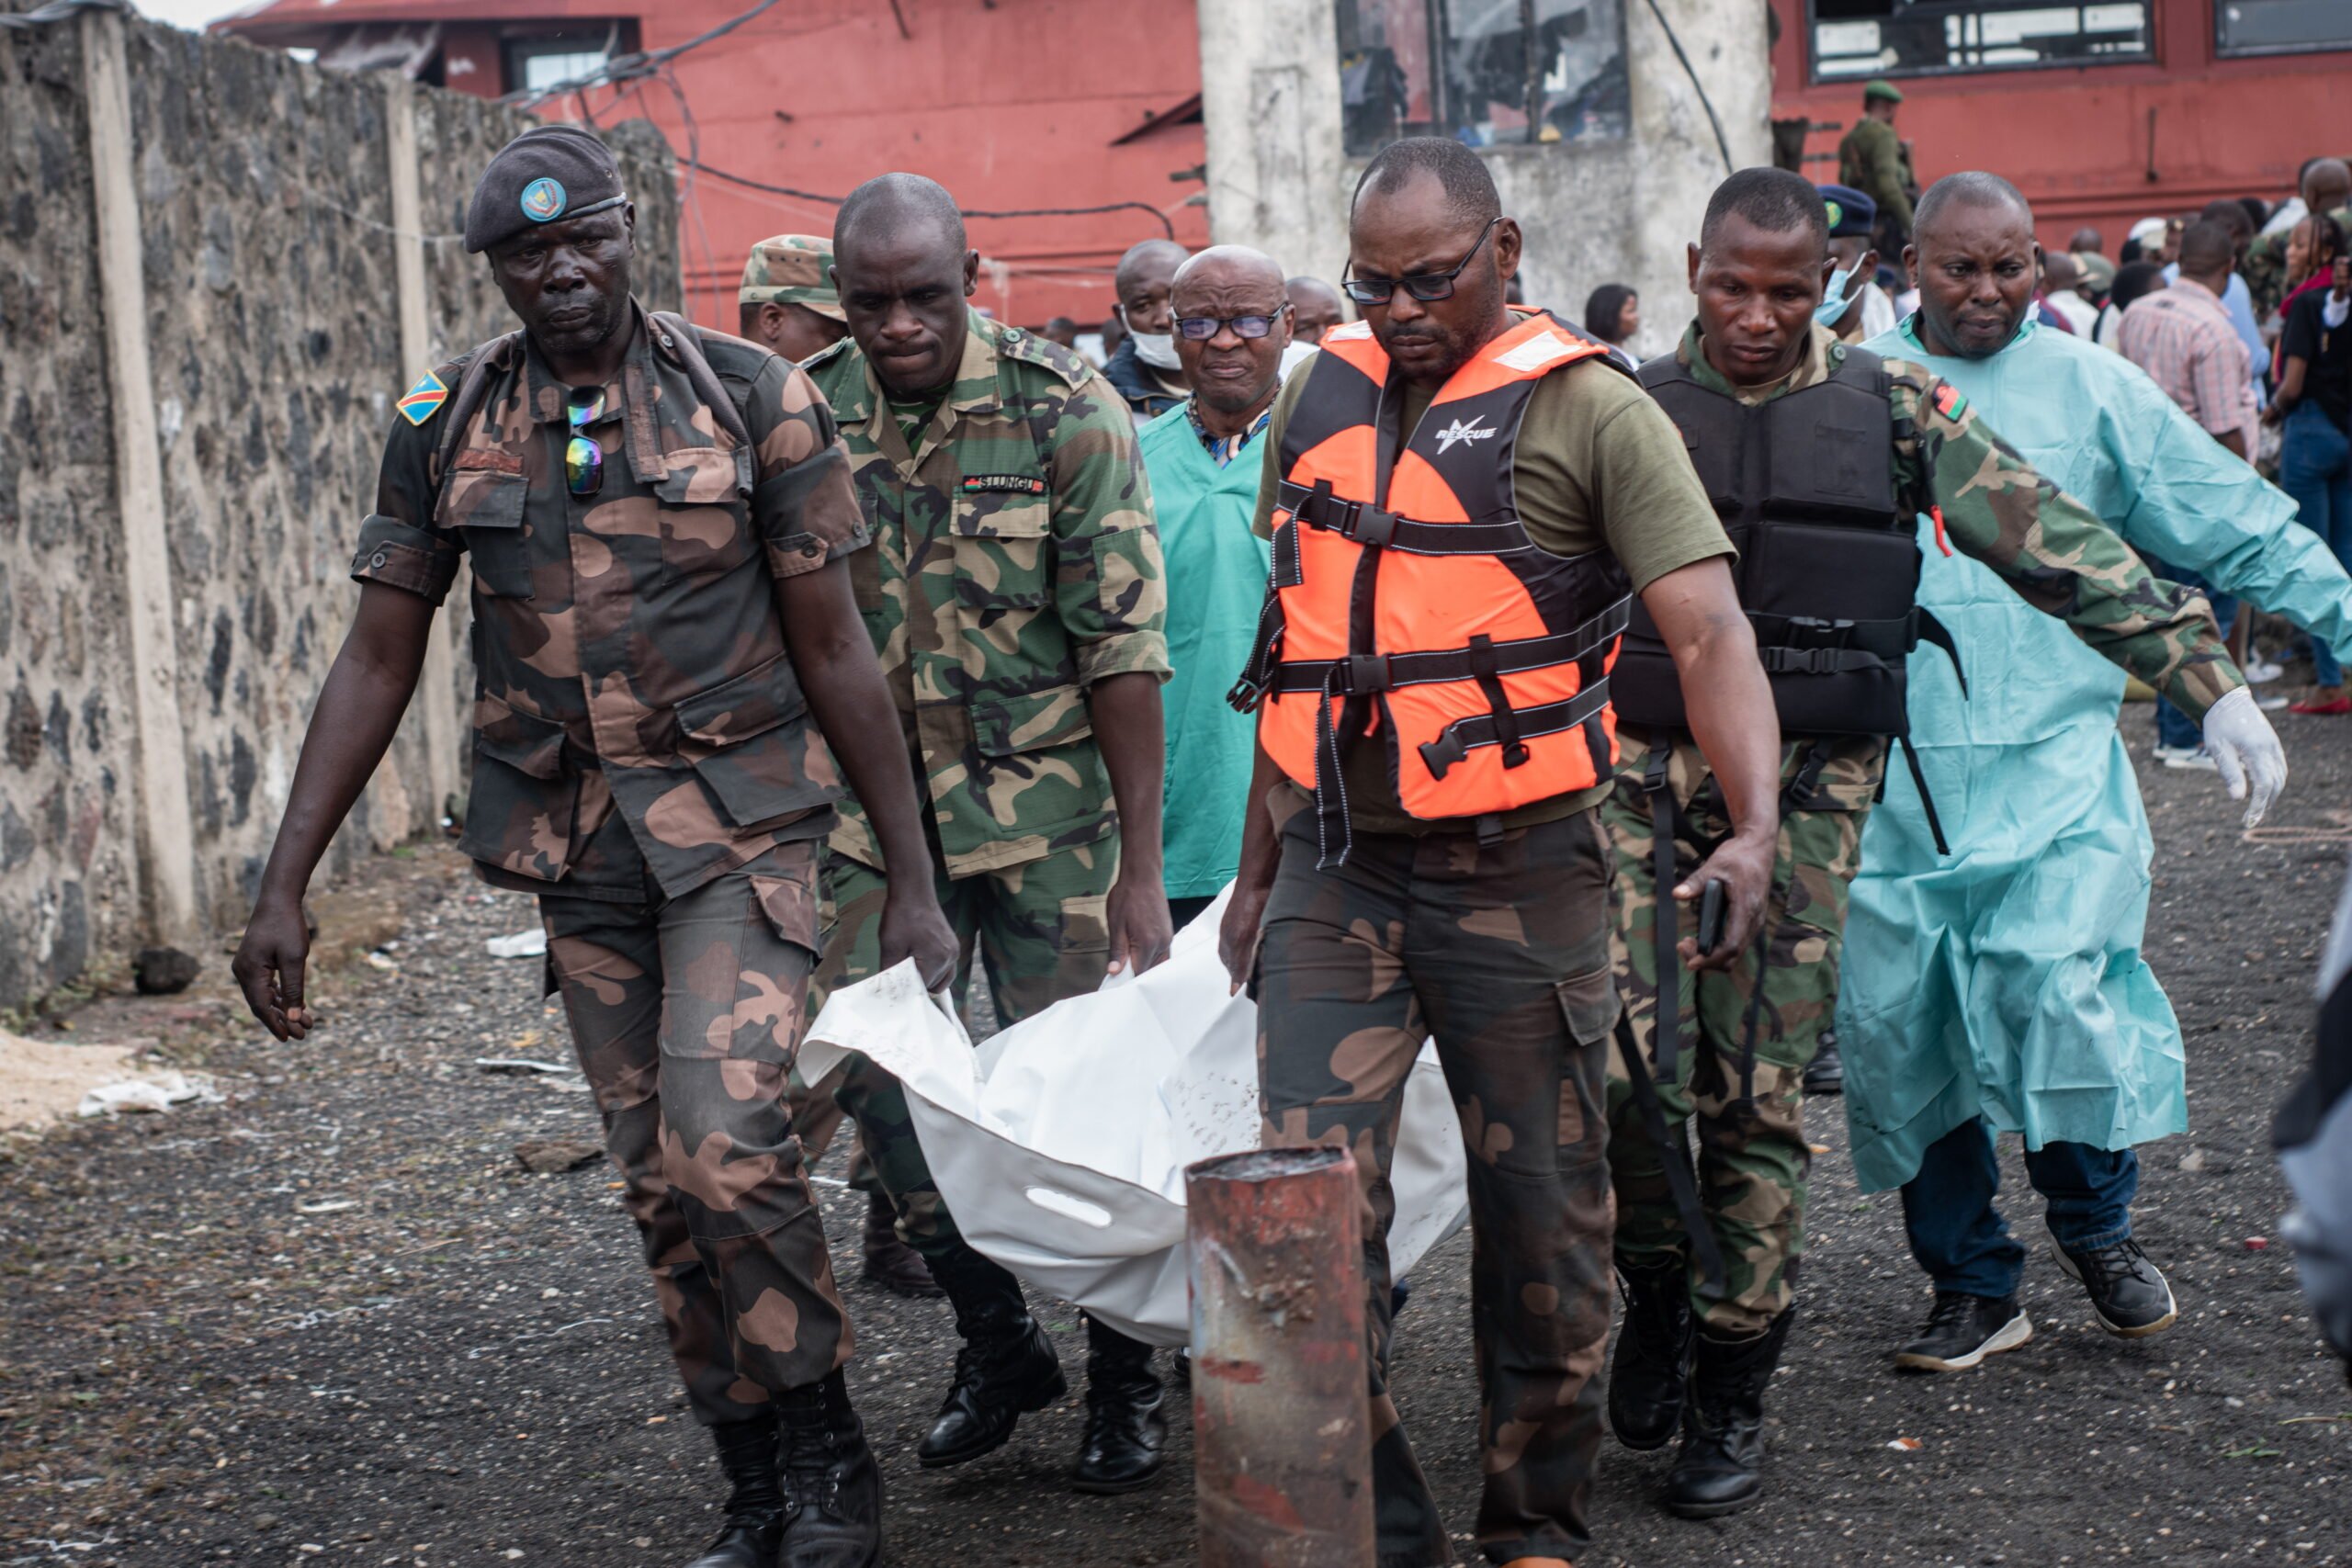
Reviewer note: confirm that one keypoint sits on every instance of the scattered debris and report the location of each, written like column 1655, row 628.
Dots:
column 531, row 943
column 379, row 959
column 327, row 1206
column 518, row 1067
column 553, row 1156
column 43, row 1079
column 1907, row 1445
column 2193, row 1161
column 2258, row 1244
column 164, row 971
column 156, row 1092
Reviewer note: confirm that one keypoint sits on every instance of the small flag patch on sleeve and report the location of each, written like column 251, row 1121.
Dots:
column 423, row 400
column 1949, row 403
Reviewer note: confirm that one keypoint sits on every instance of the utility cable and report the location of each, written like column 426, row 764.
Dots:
column 1723, row 144
column 1161, row 217
column 621, row 67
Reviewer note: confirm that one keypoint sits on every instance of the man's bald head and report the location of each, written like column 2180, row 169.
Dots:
column 1224, row 264
column 1148, row 260
column 1973, row 193
column 1315, row 308
column 896, row 206
column 2059, row 271
column 1142, row 282
column 2328, row 184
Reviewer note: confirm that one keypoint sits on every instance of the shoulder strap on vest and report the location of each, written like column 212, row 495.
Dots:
column 723, row 405
column 490, row 360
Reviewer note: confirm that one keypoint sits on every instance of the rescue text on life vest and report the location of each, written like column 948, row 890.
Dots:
column 1407, row 604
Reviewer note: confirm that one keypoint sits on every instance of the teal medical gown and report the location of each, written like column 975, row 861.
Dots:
column 2007, row 980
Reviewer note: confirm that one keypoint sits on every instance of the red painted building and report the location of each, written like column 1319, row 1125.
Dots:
column 1012, row 104
column 2101, row 113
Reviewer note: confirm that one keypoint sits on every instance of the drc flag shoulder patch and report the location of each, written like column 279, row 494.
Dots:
column 1948, row 401
column 423, row 400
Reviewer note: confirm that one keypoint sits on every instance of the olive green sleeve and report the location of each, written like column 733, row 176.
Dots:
column 1883, row 176
column 1992, row 506
column 1270, row 477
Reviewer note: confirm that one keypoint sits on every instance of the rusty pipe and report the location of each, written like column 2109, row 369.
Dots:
column 1282, row 1443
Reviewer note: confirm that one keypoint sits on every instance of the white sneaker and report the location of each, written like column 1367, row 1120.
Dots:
column 2194, row 758
column 2272, row 705
column 2260, row 671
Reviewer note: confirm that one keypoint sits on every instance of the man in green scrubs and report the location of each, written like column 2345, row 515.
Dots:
column 1204, row 456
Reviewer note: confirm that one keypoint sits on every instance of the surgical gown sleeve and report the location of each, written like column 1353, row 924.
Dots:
column 2203, row 508
column 2058, row 556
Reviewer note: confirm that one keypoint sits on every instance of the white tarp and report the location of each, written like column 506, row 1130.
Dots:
column 1061, row 1142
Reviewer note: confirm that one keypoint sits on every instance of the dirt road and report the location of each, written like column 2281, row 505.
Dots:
column 333, row 1320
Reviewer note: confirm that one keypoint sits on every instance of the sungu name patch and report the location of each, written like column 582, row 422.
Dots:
column 1007, row 484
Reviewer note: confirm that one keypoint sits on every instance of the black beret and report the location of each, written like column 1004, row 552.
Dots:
column 1851, row 211
column 547, row 173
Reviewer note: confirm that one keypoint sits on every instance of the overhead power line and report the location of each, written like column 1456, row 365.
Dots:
column 1161, row 218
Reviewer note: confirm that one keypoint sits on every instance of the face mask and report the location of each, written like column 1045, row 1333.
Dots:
column 1155, row 349
column 1834, row 299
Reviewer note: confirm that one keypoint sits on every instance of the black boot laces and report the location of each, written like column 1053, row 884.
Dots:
column 811, row 1470
column 2118, row 1260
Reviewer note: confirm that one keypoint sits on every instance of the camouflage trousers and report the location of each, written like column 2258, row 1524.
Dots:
column 1500, row 952
column 1753, row 1159
column 1041, row 930
column 687, row 1013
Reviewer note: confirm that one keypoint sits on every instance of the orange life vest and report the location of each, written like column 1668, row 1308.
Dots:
column 1406, row 601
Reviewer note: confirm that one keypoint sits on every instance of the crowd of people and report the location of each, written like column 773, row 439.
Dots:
column 1532, row 697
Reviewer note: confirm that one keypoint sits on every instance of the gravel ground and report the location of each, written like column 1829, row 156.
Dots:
column 334, row 1320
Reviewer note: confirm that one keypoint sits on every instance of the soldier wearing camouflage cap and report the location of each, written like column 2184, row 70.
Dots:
column 1015, row 595
column 1861, row 448
column 662, row 535
column 787, row 303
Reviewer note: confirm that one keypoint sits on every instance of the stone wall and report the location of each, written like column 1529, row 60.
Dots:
column 271, row 289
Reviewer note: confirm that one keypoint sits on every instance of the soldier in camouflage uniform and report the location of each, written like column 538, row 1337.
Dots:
column 659, row 523
column 1015, row 597
column 1757, row 1026
column 787, row 301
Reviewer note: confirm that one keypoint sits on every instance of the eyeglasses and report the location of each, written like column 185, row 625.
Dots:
column 1200, row 329
column 584, row 459
column 1426, row 287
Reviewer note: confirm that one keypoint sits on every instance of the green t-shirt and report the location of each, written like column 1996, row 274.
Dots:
column 1598, row 466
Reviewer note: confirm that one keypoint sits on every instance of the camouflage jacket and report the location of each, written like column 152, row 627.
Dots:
column 1015, row 564
column 1993, row 507
column 627, row 646
column 2265, row 266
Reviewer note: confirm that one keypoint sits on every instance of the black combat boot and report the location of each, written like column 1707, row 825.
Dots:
column 889, row 1262
column 1005, row 1369
column 755, row 1509
column 1126, row 1414
column 1653, row 1359
column 1722, row 1426
column 831, row 1488
column 1826, row 1073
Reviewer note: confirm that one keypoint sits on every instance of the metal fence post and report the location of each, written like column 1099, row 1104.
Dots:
column 1281, row 1444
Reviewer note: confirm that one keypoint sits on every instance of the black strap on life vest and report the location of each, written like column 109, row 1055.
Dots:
column 1672, row 1157
column 1362, row 675
column 1378, row 528
column 1458, row 740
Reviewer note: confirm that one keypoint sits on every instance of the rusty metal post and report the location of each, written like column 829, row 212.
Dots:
column 1282, row 1442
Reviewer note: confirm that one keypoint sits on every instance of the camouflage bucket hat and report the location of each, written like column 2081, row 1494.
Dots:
column 792, row 269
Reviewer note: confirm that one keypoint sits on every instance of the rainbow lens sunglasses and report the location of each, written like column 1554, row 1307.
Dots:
column 584, row 460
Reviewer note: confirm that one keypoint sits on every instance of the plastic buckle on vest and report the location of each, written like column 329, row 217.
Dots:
column 1441, row 753
column 1247, row 695
column 1802, row 661
column 1366, row 673
column 1372, row 527
column 1833, row 634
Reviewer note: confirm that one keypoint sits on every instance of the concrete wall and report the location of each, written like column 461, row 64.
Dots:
column 268, row 290
column 1594, row 210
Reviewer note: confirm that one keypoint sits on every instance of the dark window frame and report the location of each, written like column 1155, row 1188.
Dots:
column 585, row 35
column 1814, row 77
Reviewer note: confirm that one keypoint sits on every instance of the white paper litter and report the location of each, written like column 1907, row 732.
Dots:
column 531, row 943
column 155, row 1092
column 1064, row 1139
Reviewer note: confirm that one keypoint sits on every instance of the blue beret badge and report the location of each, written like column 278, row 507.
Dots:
column 1836, row 214
column 543, row 200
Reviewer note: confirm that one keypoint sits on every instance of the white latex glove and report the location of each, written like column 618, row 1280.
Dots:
column 2246, row 752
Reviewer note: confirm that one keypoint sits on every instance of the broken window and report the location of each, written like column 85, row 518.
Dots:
column 1491, row 73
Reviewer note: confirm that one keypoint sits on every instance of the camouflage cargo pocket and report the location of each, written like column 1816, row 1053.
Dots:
column 484, row 498
column 1003, row 549
column 706, row 528
column 1589, row 1003
column 521, row 807
column 749, row 740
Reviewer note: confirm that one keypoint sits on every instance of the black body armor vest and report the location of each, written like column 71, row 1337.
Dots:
column 1828, row 569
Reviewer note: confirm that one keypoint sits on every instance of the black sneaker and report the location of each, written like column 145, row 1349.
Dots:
column 2130, row 1295
column 1964, row 1330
